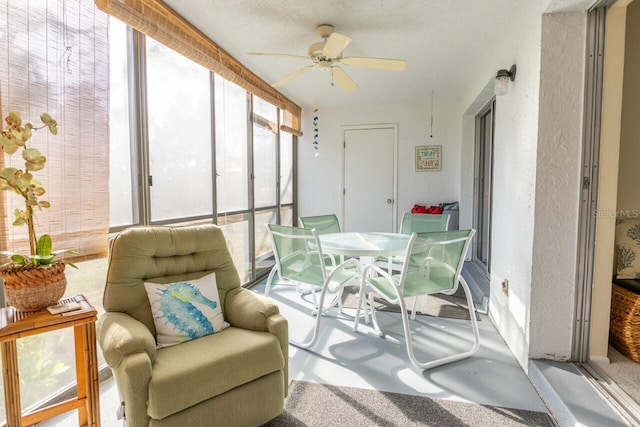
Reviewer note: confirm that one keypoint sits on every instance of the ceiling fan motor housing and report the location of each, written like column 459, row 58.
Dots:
column 324, row 30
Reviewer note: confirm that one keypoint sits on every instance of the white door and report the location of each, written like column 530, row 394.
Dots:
column 369, row 184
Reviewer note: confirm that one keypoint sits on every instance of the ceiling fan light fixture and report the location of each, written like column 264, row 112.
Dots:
column 324, row 66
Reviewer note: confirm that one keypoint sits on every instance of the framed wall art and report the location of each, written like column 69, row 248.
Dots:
column 429, row 158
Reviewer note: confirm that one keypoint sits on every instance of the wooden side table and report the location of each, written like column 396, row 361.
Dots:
column 15, row 324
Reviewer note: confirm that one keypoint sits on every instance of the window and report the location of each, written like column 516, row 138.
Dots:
column 262, row 179
column 286, row 178
column 231, row 147
column 179, row 129
column 82, row 67
column 55, row 58
column 232, row 176
column 264, row 166
column 266, row 193
column 121, row 208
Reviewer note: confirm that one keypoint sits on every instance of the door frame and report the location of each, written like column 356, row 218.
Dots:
column 394, row 127
column 601, row 146
column 590, row 169
column 488, row 107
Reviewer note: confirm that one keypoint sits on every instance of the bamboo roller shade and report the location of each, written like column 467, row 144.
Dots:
column 159, row 21
column 56, row 61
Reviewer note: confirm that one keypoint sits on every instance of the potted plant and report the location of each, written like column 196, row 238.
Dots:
column 35, row 280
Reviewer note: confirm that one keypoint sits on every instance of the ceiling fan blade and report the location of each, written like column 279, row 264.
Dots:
column 293, row 75
column 382, row 63
column 286, row 55
column 334, row 44
column 342, row 78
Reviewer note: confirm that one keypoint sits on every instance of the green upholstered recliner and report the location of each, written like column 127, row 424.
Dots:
column 235, row 377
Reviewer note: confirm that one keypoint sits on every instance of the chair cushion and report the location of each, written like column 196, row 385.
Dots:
column 414, row 285
column 187, row 374
column 185, row 310
column 628, row 248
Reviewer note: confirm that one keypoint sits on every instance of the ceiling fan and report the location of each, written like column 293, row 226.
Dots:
column 327, row 56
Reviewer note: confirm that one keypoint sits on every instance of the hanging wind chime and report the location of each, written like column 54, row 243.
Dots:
column 315, row 130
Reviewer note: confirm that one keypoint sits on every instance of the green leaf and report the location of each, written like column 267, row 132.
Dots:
column 19, row 259
column 65, row 251
column 41, row 259
column 43, row 246
column 69, row 263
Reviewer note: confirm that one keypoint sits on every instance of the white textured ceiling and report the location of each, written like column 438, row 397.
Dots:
column 441, row 40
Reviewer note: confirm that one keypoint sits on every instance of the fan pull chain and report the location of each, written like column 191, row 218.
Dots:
column 431, row 131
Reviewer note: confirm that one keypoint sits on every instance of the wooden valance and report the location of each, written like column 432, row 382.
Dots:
column 290, row 130
column 157, row 20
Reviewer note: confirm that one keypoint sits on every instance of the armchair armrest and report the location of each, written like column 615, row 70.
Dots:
column 120, row 336
column 129, row 349
column 248, row 310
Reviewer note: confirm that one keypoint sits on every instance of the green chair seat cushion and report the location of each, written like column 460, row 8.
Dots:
column 414, row 284
column 187, row 374
column 313, row 276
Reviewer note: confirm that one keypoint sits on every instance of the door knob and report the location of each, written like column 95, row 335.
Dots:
column 389, row 201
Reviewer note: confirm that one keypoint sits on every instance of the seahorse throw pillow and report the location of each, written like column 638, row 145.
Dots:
column 628, row 248
column 186, row 310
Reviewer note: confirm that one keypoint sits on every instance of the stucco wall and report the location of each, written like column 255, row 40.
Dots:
column 536, row 178
column 558, row 185
column 320, row 175
column 515, row 147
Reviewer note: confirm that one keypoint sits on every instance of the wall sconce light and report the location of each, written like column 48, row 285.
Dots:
column 502, row 80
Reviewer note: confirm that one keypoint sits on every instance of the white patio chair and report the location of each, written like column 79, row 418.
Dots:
column 416, row 223
column 425, row 271
column 300, row 261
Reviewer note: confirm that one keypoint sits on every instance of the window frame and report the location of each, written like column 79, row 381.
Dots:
column 140, row 158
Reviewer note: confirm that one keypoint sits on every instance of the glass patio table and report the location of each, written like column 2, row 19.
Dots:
column 367, row 246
